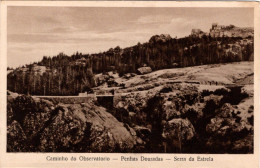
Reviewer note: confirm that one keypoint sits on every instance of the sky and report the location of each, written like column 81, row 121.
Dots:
column 34, row 32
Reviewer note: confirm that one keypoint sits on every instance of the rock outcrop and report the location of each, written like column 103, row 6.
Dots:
column 38, row 125
column 177, row 132
column 215, row 113
column 230, row 31
column 144, row 70
column 160, row 38
column 180, row 115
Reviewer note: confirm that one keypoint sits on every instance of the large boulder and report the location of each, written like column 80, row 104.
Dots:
column 101, row 78
column 31, row 113
column 82, row 127
column 171, row 109
column 228, row 131
column 142, row 132
column 63, row 131
column 107, row 134
column 11, row 95
column 177, row 132
column 160, row 38
column 144, row 70
column 227, row 122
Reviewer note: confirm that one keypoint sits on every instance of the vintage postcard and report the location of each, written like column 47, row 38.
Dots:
column 129, row 84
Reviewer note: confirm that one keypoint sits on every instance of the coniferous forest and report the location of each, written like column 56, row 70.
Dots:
column 70, row 75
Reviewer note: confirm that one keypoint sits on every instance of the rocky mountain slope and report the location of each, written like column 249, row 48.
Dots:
column 201, row 109
column 38, row 125
column 71, row 75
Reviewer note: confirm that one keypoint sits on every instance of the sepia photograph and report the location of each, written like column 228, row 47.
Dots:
column 173, row 80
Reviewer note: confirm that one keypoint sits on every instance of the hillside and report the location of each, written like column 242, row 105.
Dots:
column 208, row 76
column 201, row 109
column 70, row 75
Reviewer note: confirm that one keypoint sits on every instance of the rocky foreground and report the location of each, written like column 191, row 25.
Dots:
column 203, row 109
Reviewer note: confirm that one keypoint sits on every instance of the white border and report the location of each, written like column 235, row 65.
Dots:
column 38, row 159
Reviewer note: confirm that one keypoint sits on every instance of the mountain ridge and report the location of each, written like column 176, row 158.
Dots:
column 57, row 75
